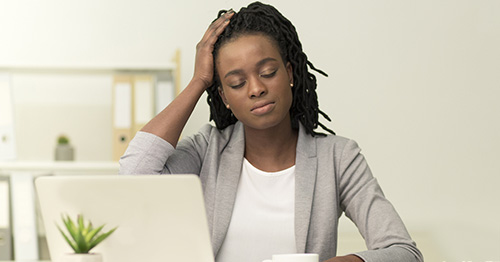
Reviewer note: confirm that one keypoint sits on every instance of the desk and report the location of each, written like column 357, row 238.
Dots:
column 59, row 167
column 23, row 198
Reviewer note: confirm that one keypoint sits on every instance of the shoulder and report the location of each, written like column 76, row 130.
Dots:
column 336, row 142
column 333, row 152
column 225, row 134
column 211, row 135
column 331, row 139
column 326, row 145
column 340, row 149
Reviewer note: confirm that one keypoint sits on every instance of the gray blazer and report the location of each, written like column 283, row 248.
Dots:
column 332, row 177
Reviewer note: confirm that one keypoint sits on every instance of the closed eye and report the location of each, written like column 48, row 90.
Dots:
column 269, row 75
column 238, row 85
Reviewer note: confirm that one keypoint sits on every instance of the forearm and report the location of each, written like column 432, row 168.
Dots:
column 170, row 122
column 349, row 258
column 399, row 253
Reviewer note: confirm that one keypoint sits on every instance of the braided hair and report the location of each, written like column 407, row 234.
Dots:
column 259, row 18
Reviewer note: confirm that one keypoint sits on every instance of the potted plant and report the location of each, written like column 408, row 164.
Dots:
column 64, row 150
column 82, row 238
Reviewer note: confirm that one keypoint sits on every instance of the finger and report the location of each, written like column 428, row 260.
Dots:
column 222, row 21
column 218, row 30
column 215, row 28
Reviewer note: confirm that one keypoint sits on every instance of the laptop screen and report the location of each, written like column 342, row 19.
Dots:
column 159, row 218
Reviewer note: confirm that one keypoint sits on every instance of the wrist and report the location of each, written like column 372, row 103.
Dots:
column 199, row 83
column 195, row 88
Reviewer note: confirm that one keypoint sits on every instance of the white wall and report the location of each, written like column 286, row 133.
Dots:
column 76, row 105
column 414, row 82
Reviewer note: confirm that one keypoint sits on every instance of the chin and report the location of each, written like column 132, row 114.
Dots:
column 264, row 124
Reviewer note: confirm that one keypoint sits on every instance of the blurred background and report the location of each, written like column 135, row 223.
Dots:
column 415, row 83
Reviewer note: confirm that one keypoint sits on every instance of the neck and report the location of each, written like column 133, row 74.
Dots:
column 272, row 149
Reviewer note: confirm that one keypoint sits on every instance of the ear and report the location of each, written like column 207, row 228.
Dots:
column 222, row 95
column 289, row 70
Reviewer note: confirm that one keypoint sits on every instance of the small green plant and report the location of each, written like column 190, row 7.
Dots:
column 82, row 238
column 62, row 140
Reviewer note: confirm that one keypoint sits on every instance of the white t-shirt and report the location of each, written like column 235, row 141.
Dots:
column 262, row 223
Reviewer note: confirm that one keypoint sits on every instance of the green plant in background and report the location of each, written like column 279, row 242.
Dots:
column 62, row 140
column 82, row 238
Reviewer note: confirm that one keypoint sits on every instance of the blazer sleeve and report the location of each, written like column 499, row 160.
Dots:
column 363, row 201
column 150, row 154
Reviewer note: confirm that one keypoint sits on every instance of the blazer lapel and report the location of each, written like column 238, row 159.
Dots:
column 229, row 172
column 305, row 181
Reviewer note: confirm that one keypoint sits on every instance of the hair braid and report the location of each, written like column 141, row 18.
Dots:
column 260, row 18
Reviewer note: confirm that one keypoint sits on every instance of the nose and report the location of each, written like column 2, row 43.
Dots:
column 256, row 89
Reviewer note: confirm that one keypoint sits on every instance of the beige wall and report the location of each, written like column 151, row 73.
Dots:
column 414, row 82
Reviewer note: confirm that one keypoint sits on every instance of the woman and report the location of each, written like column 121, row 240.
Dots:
column 271, row 183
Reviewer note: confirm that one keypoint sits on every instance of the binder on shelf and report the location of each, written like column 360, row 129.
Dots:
column 164, row 92
column 133, row 107
column 24, row 226
column 7, row 135
column 5, row 222
column 143, row 101
column 122, row 114
column 137, row 98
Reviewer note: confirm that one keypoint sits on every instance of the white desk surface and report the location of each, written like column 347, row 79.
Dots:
column 49, row 166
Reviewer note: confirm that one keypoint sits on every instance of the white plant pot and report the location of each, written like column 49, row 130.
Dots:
column 64, row 153
column 90, row 257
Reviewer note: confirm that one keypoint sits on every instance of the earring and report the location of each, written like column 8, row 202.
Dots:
column 227, row 106
column 291, row 84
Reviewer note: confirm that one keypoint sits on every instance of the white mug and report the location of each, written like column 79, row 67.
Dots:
column 294, row 258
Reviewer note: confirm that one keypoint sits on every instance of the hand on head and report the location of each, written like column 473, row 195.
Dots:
column 203, row 69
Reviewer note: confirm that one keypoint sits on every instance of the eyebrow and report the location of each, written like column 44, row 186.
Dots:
column 240, row 71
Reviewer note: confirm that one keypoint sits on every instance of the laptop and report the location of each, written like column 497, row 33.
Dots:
column 159, row 217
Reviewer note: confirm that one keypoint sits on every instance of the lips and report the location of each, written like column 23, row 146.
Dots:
column 262, row 107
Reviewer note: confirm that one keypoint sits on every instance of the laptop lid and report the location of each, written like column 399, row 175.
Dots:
column 159, row 218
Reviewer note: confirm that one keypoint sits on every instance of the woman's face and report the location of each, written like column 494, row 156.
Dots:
column 255, row 81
